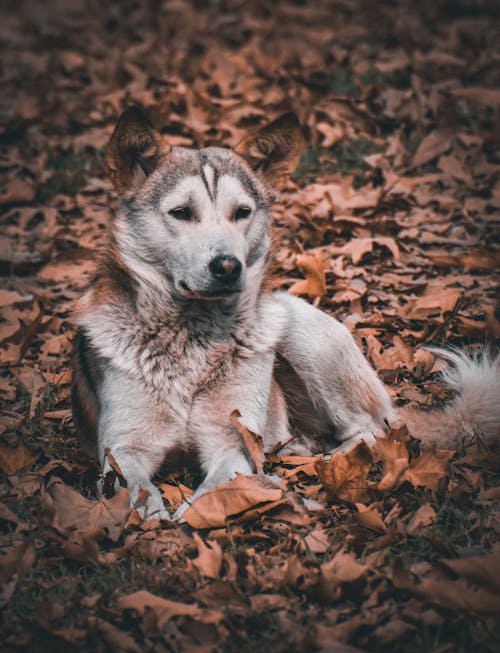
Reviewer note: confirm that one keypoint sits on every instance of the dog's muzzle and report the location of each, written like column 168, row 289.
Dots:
column 226, row 280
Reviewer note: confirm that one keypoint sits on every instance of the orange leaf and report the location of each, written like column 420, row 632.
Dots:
column 209, row 560
column 344, row 475
column 252, row 441
column 243, row 492
column 315, row 282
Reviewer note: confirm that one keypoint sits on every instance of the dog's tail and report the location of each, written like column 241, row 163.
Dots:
column 474, row 412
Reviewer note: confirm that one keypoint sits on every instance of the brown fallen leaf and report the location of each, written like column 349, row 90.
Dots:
column 18, row 191
column 314, row 284
column 454, row 595
column 356, row 248
column 252, row 441
column 33, row 383
column 430, row 147
column 9, row 297
column 209, row 560
column 424, row 516
column 16, row 459
column 317, row 541
column 342, row 569
column 393, row 452
column 175, row 494
column 427, row 469
column 164, row 610
column 15, row 562
column 344, row 475
column 117, row 640
column 483, row 571
column 437, row 299
column 83, row 544
column 369, row 517
column 213, row 508
column 70, row 511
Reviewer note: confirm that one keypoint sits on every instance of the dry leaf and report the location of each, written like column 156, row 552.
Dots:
column 344, row 475
column 434, row 144
column 209, row 558
column 72, row 512
column 16, row 459
column 425, row 516
column 252, row 441
column 369, row 517
column 314, row 284
column 214, row 507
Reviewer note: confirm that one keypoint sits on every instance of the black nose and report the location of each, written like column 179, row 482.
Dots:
column 225, row 268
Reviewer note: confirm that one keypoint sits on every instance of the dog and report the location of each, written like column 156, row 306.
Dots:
column 180, row 326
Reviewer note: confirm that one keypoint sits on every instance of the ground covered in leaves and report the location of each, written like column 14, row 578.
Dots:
column 389, row 223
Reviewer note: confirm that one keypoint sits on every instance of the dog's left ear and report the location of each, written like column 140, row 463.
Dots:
column 133, row 151
column 274, row 150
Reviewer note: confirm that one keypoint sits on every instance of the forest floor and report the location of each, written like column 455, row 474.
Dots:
column 389, row 223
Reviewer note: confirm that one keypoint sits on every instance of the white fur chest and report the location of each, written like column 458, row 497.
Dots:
column 178, row 363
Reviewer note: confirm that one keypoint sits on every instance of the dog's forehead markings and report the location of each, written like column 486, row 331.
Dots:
column 209, row 178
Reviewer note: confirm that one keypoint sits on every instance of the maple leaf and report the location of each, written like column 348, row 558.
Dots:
column 344, row 476
column 214, row 507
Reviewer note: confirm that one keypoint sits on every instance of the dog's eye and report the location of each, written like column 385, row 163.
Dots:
column 242, row 212
column 182, row 213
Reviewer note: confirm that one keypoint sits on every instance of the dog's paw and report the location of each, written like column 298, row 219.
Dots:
column 351, row 441
column 149, row 503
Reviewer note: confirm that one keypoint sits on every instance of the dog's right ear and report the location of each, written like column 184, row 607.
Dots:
column 273, row 151
column 133, row 151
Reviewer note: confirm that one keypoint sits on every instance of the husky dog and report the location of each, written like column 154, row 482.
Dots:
column 179, row 327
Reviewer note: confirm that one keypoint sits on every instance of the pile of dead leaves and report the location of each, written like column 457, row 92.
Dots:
column 390, row 223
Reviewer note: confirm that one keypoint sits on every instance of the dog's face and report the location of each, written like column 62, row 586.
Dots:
column 197, row 218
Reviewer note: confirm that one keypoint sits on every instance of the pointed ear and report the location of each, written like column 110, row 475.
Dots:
column 133, row 151
column 274, row 150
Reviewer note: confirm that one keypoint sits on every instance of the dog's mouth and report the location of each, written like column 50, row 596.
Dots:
column 215, row 294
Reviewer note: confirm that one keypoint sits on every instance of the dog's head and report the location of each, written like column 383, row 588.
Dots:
column 197, row 218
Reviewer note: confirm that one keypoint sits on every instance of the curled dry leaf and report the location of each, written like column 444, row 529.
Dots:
column 116, row 639
column 450, row 594
column 429, row 468
column 209, row 558
column 344, row 475
column 317, row 541
column 425, row 516
column 369, row 517
column 73, row 512
column 16, row 459
column 15, row 562
column 356, row 248
column 314, row 284
column 342, row 569
column 434, row 144
column 393, row 452
column 213, row 508
column 164, row 610
column 437, row 299
column 252, row 441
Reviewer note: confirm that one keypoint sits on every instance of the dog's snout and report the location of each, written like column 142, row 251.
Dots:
column 225, row 268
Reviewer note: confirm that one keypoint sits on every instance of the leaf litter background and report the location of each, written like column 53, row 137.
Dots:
column 389, row 223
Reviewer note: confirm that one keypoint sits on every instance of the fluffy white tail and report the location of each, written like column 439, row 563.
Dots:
column 473, row 412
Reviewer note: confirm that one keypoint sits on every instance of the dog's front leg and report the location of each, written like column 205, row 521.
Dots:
column 219, row 444
column 134, row 435
column 339, row 380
